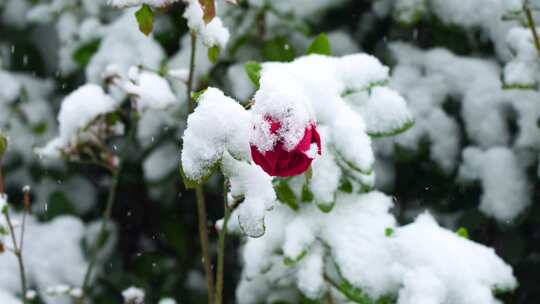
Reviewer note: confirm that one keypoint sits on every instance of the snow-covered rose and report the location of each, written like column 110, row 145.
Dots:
column 279, row 161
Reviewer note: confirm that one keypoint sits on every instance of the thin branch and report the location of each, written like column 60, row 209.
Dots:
column 101, row 234
column 17, row 250
column 18, row 255
column 532, row 26
column 26, row 209
column 191, row 75
column 107, row 213
column 1, row 177
column 201, row 205
column 221, row 248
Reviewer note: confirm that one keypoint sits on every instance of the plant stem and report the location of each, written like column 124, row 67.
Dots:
column 1, row 178
column 101, row 234
column 329, row 298
column 221, row 248
column 203, row 235
column 17, row 248
column 199, row 193
column 100, row 240
column 191, row 75
column 532, row 26
column 18, row 254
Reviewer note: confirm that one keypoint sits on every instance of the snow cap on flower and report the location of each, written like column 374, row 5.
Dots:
column 284, row 139
column 77, row 111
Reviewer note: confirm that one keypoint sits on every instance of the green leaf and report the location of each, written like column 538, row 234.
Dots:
column 278, row 49
column 209, row 10
column 345, row 186
column 285, row 194
column 326, row 207
column 292, row 261
column 112, row 118
column 145, row 18
column 307, row 195
column 58, row 203
column 195, row 95
column 354, row 294
column 463, row 232
column 83, row 54
column 389, row 231
column 213, row 54
column 40, row 128
column 406, row 126
column 3, row 144
column 320, row 46
column 188, row 183
column 191, row 184
column 350, row 165
column 253, row 70
column 3, row 230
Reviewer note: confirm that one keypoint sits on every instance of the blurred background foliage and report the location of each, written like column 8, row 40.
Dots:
column 157, row 243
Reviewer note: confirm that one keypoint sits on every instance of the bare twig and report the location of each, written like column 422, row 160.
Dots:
column 107, row 213
column 532, row 26
column 18, row 254
column 221, row 248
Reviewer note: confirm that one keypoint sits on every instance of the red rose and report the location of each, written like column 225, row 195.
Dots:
column 280, row 162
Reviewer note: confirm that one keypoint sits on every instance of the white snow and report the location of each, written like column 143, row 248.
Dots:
column 133, row 295
column 77, row 111
column 255, row 186
column 218, row 125
column 418, row 262
column 150, row 90
column 124, row 46
column 160, row 162
column 65, row 267
column 524, row 68
column 3, row 202
column 505, row 187
column 129, row 3
column 213, row 33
